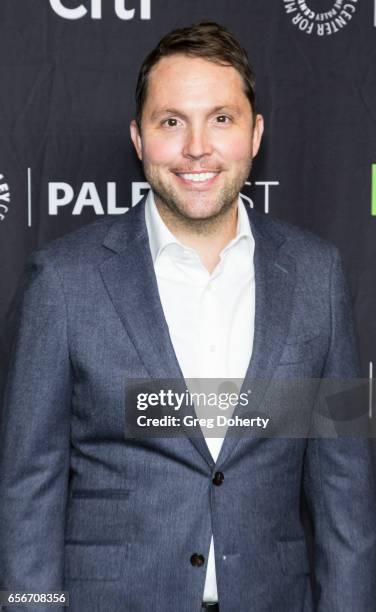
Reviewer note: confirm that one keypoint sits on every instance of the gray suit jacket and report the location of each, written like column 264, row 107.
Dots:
column 116, row 521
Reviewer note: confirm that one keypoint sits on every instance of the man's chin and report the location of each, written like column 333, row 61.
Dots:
column 197, row 215
column 193, row 211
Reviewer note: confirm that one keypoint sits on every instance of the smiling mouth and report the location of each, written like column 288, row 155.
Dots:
column 197, row 177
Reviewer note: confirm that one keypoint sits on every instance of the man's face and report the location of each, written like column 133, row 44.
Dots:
column 197, row 136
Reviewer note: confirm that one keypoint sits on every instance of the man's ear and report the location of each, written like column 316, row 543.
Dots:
column 258, row 130
column 136, row 138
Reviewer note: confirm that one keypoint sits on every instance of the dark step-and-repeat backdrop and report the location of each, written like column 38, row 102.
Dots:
column 67, row 77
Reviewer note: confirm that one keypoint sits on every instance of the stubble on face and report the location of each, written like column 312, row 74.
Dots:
column 172, row 206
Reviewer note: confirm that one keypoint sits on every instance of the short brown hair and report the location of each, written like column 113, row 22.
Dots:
column 207, row 40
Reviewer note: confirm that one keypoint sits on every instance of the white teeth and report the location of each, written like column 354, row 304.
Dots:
column 203, row 176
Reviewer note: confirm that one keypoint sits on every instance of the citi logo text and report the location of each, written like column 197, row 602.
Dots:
column 95, row 11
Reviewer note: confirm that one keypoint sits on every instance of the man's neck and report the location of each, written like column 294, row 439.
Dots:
column 208, row 237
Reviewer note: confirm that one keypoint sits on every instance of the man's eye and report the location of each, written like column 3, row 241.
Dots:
column 223, row 119
column 171, row 122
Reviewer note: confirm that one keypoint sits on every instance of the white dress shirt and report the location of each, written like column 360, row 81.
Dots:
column 210, row 316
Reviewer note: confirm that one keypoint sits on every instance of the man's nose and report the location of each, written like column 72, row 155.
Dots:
column 197, row 143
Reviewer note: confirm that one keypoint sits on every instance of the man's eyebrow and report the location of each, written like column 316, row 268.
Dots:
column 167, row 111
column 178, row 113
column 226, row 108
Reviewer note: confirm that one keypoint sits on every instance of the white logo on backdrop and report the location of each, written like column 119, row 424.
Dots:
column 266, row 185
column 4, row 197
column 61, row 194
column 321, row 23
column 95, row 10
column 88, row 196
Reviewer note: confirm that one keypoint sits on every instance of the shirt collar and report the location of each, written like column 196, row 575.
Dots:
column 160, row 236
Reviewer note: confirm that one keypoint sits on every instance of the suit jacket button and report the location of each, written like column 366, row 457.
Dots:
column 218, row 479
column 197, row 560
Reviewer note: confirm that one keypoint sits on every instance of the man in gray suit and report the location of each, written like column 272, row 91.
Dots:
column 189, row 284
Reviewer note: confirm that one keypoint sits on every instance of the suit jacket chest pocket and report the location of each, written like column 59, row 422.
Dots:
column 298, row 351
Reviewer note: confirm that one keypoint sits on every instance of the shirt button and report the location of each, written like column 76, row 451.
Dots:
column 218, row 478
column 197, row 560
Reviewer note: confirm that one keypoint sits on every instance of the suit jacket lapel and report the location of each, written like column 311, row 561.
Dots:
column 274, row 281
column 128, row 274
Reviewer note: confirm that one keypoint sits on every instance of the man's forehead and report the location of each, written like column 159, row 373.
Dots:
column 192, row 68
column 178, row 82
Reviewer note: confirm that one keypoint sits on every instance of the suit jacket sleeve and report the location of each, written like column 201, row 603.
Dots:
column 34, row 439
column 339, row 483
